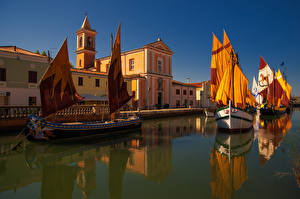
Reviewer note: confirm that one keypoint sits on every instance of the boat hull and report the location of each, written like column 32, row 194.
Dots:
column 42, row 130
column 265, row 112
column 233, row 119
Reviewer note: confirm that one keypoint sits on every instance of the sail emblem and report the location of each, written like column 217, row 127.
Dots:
column 263, row 80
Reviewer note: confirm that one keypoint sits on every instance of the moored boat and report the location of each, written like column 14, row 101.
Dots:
column 58, row 92
column 274, row 90
column 233, row 119
column 229, row 88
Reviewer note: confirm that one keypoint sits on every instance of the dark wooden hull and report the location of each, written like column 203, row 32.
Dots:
column 48, row 131
column 268, row 112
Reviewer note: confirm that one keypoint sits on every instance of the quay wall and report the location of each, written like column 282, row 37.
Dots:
column 15, row 117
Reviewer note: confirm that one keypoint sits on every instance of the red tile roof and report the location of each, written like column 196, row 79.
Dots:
column 14, row 49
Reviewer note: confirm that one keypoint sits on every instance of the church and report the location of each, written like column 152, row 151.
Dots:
column 147, row 70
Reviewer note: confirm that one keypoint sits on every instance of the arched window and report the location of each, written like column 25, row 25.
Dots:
column 79, row 62
column 89, row 42
column 80, row 42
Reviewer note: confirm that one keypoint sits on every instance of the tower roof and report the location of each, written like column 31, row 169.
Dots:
column 86, row 23
column 86, row 26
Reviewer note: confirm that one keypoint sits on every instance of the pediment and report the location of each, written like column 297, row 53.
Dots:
column 160, row 45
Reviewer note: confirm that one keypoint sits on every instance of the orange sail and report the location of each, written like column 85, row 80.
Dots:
column 226, row 43
column 250, row 99
column 217, row 66
column 117, row 88
column 56, row 87
column 233, row 84
column 225, row 90
column 285, row 98
column 240, row 88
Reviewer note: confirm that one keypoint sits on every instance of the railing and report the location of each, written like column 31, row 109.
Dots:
column 22, row 112
column 17, row 112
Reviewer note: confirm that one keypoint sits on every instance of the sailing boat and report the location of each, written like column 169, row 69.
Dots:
column 229, row 88
column 58, row 92
column 274, row 90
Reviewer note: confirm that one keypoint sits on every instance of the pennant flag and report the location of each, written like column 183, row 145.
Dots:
column 56, row 87
column 117, row 88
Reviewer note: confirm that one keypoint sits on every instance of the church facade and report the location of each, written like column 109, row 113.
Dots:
column 148, row 68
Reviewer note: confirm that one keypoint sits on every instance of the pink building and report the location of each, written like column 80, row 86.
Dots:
column 183, row 94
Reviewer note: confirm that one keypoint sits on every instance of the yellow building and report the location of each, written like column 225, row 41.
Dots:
column 148, row 69
column 92, row 85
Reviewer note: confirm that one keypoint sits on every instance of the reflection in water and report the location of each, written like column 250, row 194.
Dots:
column 147, row 161
column 58, row 181
column 63, row 168
column 270, row 134
column 228, row 163
column 117, row 165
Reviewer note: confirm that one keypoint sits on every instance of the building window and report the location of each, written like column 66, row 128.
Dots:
column 184, row 92
column 79, row 62
column 80, row 42
column 32, row 76
column 80, row 81
column 160, row 84
column 2, row 74
column 89, row 42
column 191, row 92
column 191, row 103
column 131, row 64
column 97, row 82
column 177, row 92
column 32, row 101
column 159, row 63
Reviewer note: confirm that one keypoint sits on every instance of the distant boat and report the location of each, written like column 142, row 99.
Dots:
column 58, row 92
column 274, row 89
column 229, row 88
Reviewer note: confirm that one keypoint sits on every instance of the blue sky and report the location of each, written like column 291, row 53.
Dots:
column 256, row 28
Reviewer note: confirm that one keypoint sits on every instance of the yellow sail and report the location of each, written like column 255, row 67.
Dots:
column 225, row 91
column 281, row 81
column 240, row 87
column 250, row 99
column 217, row 67
column 285, row 86
column 226, row 43
column 228, row 87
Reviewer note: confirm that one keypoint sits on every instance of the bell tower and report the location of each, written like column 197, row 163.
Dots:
column 85, row 45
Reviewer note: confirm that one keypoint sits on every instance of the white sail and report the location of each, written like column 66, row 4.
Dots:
column 258, row 97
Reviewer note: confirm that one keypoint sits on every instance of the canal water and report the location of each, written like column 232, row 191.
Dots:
column 176, row 157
